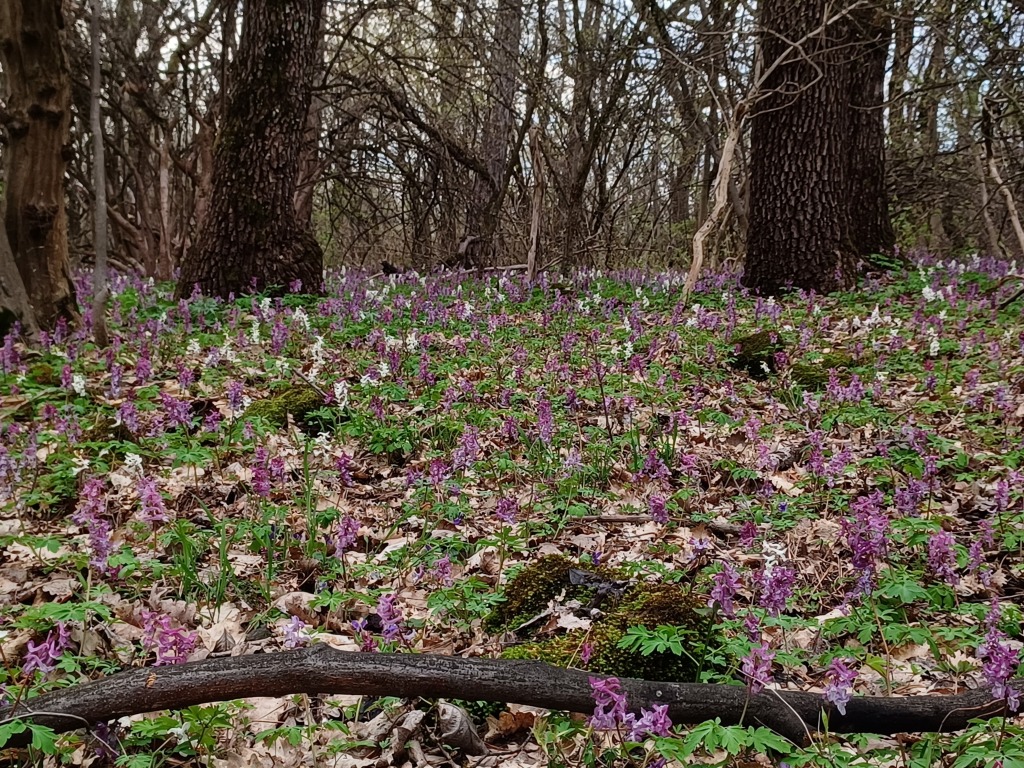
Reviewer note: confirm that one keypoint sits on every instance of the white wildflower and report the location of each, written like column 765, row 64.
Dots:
column 341, row 393
column 300, row 316
column 193, row 347
column 254, row 331
column 78, row 384
column 133, row 463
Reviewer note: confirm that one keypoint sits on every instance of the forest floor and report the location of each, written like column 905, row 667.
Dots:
column 839, row 511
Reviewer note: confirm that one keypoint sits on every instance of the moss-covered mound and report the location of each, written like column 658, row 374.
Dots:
column 643, row 605
column 813, row 373
column 622, row 607
column 295, row 401
column 531, row 590
column 755, row 353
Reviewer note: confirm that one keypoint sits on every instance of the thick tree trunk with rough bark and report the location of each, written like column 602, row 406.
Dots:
column 482, row 219
column 14, row 304
column 817, row 194
column 36, row 120
column 870, row 226
column 251, row 237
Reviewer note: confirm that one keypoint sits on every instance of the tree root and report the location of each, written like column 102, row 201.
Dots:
column 320, row 669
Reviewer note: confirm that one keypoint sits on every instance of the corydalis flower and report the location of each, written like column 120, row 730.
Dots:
column 390, row 616
column 866, row 535
column 346, row 534
column 153, row 508
column 545, row 421
column 776, row 588
column 44, row 656
column 172, row 644
column 757, row 667
column 507, row 510
column 610, row 711
column 999, row 661
column 726, row 582
column 942, row 557
column 659, row 512
column 295, row 635
column 840, row 679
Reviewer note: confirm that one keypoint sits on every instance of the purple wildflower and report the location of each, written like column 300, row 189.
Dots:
column 999, row 661
column 153, row 508
column 261, row 473
column 757, row 667
column 507, row 510
column 840, row 679
column 172, row 644
column 390, row 616
column 726, row 583
column 545, row 421
column 586, row 651
column 866, row 535
column 468, row 449
column 442, row 571
column 659, row 513
column 346, row 534
column 609, row 703
column 942, row 557
column 295, row 633
column 343, row 464
column 45, row 655
column 652, row 722
column 776, row 588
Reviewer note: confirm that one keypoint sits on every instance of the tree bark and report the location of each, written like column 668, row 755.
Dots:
column 37, row 120
column 322, row 669
column 100, row 293
column 14, row 303
column 868, row 199
column 251, row 237
column 817, row 179
column 487, row 192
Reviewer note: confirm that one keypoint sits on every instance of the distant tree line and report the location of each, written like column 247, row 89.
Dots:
column 806, row 136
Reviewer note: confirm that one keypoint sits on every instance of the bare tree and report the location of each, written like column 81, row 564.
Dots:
column 100, row 292
column 36, row 120
column 251, row 237
column 801, row 232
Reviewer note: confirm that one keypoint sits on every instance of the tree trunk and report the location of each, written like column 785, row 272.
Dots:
column 251, row 237
column 487, row 193
column 100, row 293
column 37, row 120
column 14, row 304
column 870, row 225
column 810, row 153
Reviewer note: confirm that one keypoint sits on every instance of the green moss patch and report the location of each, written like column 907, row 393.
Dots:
column 295, row 401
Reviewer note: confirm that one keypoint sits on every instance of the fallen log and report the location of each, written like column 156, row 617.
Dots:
column 320, row 669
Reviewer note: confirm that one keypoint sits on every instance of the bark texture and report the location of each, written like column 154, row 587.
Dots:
column 37, row 120
column 868, row 198
column 485, row 200
column 817, row 193
column 14, row 304
column 322, row 669
column 251, row 237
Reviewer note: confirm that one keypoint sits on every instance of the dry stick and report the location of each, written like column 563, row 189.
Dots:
column 721, row 198
column 1008, row 199
column 320, row 669
column 537, row 203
